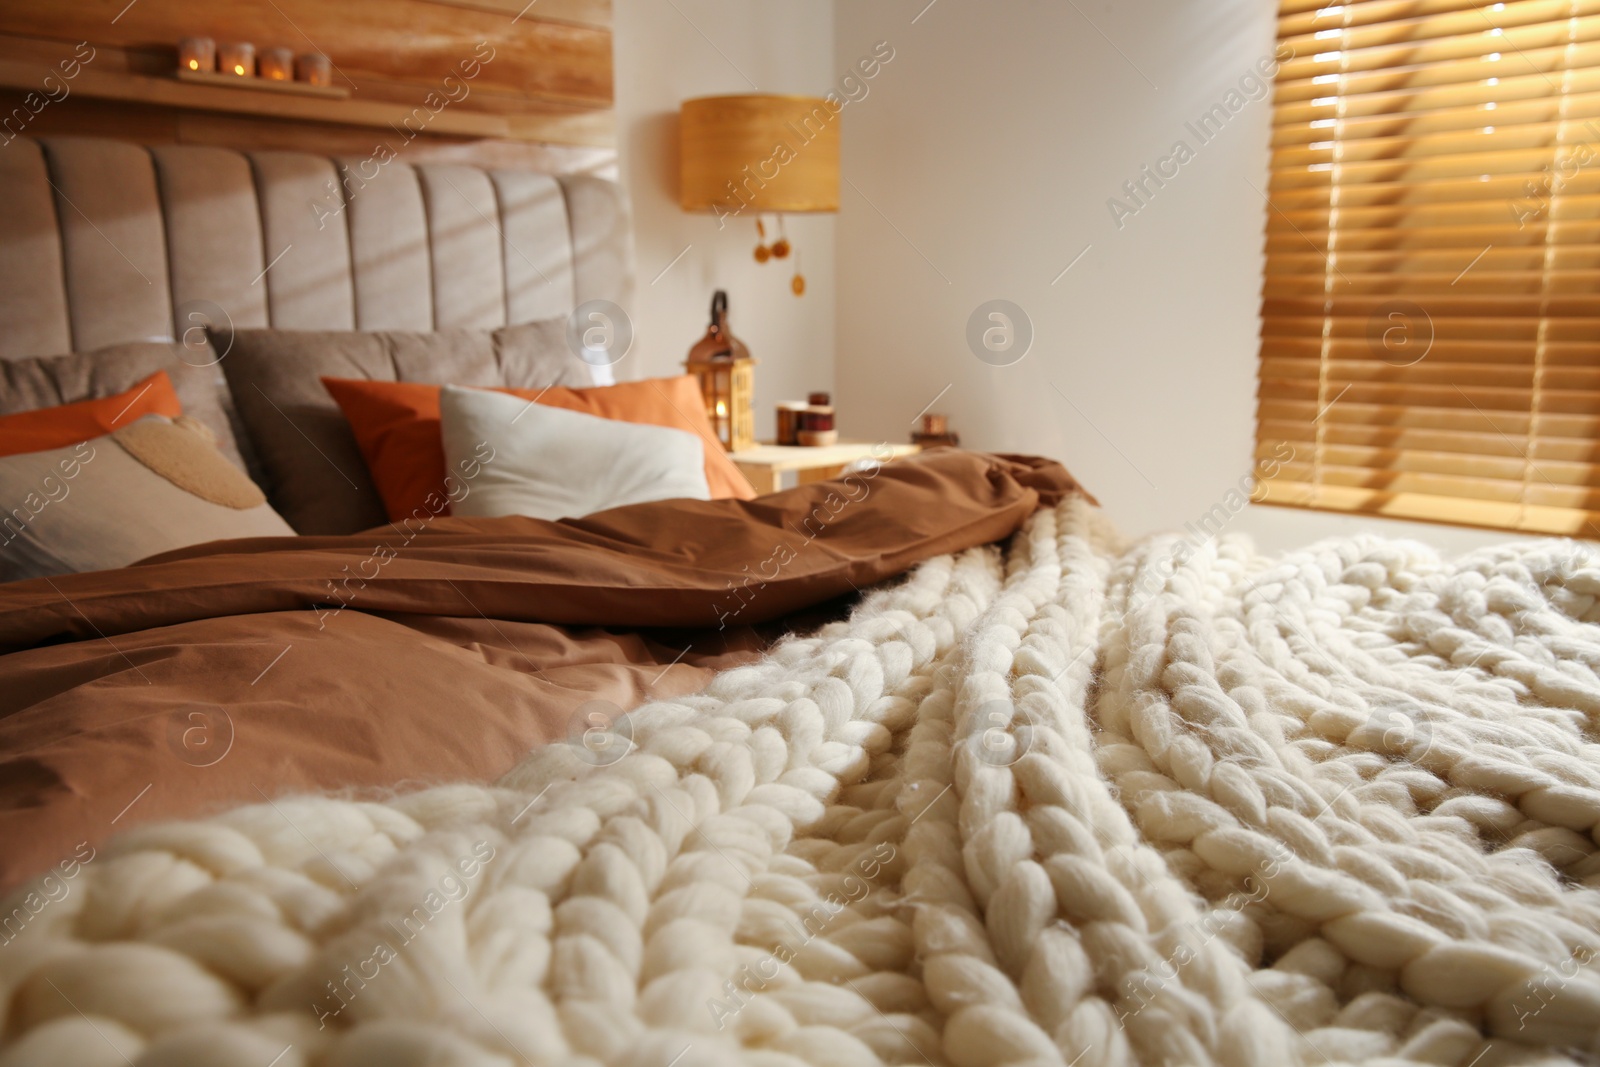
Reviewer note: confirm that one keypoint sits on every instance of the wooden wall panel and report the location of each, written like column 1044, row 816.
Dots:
column 595, row 13
column 548, row 83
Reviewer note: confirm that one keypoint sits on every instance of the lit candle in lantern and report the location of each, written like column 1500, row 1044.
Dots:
column 277, row 64
column 313, row 69
column 723, row 364
column 197, row 53
column 238, row 58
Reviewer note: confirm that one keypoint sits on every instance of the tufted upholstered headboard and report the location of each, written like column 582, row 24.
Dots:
column 104, row 242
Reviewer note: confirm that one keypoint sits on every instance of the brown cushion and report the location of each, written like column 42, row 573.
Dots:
column 94, row 506
column 48, row 381
column 314, row 473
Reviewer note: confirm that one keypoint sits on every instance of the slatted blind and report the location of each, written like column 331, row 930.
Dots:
column 1430, row 345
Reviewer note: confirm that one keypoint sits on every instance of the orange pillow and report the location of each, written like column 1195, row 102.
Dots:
column 71, row 424
column 397, row 426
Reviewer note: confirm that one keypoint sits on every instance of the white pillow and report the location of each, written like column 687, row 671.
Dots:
column 550, row 463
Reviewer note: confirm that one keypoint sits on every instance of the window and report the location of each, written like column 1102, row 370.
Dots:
column 1430, row 345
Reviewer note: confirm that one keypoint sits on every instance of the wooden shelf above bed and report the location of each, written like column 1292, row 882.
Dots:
column 578, row 127
column 538, row 74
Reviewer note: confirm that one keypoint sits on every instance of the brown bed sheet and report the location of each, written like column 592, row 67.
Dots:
column 243, row 670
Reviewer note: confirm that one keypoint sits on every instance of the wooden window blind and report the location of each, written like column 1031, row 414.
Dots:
column 1430, row 343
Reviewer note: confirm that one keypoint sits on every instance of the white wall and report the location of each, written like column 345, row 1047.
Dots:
column 978, row 166
column 665, row 52
column 981, row 166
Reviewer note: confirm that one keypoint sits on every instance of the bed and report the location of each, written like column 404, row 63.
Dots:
column 924, row 765
column 143, row 697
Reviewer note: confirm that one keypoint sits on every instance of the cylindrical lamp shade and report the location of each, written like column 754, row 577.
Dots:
column 758, row 153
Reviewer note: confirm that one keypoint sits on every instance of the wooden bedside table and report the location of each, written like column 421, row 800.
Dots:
column 765, row 465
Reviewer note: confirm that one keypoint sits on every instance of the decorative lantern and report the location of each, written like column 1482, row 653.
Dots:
column 727, row 379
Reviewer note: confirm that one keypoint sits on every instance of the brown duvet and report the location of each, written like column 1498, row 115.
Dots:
column 230, row 672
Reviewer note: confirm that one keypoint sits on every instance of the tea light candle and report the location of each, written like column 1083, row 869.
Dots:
column 313, row 69
column 277, row 64
column 197, row 53
column 238, row 58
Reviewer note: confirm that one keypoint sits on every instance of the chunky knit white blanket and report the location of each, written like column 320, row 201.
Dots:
column 1058, row 804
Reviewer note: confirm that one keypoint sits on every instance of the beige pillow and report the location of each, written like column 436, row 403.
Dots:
column 104, row 504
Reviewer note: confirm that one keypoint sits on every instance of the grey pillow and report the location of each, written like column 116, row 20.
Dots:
column 48, row 381
column 313, row 470
column 533, row 355
column 93, row 506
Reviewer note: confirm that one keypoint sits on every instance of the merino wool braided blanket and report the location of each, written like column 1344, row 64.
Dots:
column 1069, row 801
